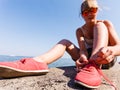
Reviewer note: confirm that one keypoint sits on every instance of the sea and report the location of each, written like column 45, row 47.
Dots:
column 62, row 62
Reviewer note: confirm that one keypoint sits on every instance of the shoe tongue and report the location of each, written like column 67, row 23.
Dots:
column 90, row 66
column 94, row 64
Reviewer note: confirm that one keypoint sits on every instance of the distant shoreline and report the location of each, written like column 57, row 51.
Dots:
column 59, row 63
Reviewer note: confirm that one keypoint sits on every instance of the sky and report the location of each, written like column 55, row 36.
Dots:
column 32, row 27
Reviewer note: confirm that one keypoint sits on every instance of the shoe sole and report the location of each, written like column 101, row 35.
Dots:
column 8, row 72
column 83, row 84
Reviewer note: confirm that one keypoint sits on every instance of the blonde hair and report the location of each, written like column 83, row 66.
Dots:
column 88, row 4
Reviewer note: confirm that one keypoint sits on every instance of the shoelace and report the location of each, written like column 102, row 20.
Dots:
column 102, row 74
column 23, row 61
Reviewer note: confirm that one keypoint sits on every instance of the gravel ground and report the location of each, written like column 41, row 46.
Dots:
column 60, row 78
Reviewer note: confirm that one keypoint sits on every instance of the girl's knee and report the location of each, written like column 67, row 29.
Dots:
column 65, row 42
column 100, row 25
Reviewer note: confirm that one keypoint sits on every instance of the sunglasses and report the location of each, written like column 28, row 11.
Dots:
column 90, row 10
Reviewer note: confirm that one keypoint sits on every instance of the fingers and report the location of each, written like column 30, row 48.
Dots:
column 110, row 58
column 80, row 63
column 104, row 53
column 106, row 60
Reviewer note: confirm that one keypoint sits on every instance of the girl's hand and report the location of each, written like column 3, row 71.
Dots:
column 104, row 56
column 82, row 61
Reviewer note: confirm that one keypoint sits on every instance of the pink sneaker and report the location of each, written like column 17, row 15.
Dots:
column 23, row 67
column 90, row 76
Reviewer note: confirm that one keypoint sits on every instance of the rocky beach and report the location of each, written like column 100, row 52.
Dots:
column 59, row 78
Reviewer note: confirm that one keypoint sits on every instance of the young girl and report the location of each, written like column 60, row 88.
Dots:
column 97, row 41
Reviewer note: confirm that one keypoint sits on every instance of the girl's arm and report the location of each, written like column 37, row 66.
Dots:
column 83, row 51
column 81, row 42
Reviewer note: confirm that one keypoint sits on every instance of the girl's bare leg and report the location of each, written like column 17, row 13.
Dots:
column 58, row 50
column 100, row 38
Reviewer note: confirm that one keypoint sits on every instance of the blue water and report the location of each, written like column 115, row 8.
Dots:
column 60, row 62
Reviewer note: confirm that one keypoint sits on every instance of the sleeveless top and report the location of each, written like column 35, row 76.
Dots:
column 88, row 42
